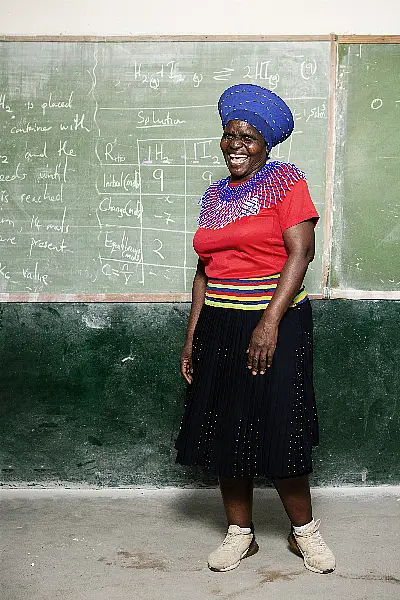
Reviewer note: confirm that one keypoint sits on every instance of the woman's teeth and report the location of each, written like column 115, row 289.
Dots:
column 237, row 159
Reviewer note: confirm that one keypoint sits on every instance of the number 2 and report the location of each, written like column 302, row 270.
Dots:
column 159, row 248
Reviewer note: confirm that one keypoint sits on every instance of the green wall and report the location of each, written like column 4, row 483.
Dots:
column 91, row 393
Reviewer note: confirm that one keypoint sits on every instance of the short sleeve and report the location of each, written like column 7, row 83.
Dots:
column 296, row 207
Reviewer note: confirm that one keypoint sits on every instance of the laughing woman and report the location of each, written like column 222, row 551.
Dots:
column 248, row 354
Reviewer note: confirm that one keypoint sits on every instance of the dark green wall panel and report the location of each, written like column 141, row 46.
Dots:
column 357, row 378
column 91, row 393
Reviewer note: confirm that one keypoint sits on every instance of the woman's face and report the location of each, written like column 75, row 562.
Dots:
column 244, row 150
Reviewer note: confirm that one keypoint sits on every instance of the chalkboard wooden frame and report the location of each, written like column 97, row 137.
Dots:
column 169, row 38
column 335, row 40
column 368, row 39
column 333, row 37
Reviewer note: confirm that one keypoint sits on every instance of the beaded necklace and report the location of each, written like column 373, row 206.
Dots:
column 222, row 203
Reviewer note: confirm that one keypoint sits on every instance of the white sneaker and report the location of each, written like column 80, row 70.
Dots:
column 236, row 545
column 312, row 548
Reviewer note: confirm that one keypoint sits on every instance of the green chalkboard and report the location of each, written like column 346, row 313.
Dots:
column 105, row 149
column 366, row 235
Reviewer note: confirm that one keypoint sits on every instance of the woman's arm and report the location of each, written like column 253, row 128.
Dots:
column 299, row 242
column 198, row 293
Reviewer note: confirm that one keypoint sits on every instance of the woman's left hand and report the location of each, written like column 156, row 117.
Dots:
column 262, row 347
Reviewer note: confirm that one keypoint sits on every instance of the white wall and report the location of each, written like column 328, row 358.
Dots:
column 159, row 17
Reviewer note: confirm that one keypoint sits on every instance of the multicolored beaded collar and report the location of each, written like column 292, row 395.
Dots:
column 222, row 203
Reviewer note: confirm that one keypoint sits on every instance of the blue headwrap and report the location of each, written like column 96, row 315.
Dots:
column 259, row 107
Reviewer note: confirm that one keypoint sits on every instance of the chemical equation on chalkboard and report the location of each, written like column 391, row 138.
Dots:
column 263, row 72
column 171, row 73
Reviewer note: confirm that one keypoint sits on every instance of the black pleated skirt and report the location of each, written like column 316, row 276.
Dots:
column 238, row 424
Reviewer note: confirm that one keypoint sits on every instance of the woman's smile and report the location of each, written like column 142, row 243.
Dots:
column 237, row 159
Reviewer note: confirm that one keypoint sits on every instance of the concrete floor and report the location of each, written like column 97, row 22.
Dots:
column 153, row 544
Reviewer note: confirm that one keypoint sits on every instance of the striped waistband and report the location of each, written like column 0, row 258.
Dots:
column 246, row 294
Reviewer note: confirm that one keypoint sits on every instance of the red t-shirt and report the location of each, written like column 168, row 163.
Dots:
column 253, row 246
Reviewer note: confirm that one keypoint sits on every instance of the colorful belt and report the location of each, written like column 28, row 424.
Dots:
column 246, row 294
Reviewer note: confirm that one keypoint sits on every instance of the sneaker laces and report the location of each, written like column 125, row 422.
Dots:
column 315, row 541
column 232, row 538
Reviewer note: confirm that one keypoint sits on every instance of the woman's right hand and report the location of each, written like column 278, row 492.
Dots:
column 186, row 362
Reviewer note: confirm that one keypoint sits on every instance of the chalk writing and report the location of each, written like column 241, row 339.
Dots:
column 60, row 227
column 156, row 154
column 56, row 104
column 159, row 245
column 7, row 221
column 107, row 149
column 224, row 74
column 35, row 275
column 320, row 112
column 4, row 272
column 123, row 181
column 110, row 155
column 261, row 72
column 308, row 69
column 63, row 149
column 30, row 155
column 7, row 240
column 29, row 127
column 152, row 120
column 47, row 245
column 77, row 124
column 4, row 197
column 377, row 103
column 197, row 79
column 16, row 175
column 4, row 105
column 123, row 246
column 127, row 210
